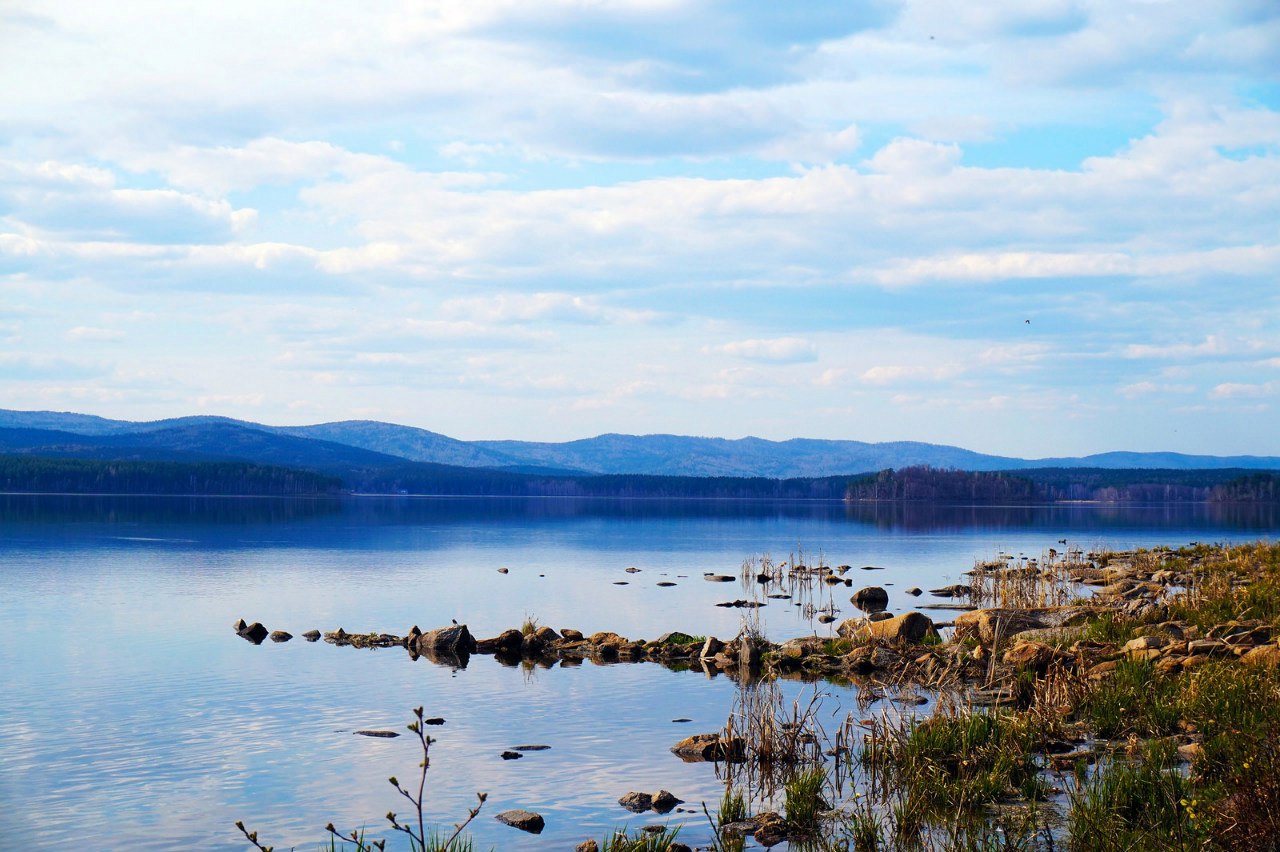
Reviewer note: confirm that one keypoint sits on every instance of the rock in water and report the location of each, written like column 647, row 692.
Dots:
column 908, row 627
column 455, row 639
column 709, row 747
column 523, row 820
column 988, row 625
column 636, row 802
column 254, row 633
column 281, row 636
column 870, row 599
column 663, row 801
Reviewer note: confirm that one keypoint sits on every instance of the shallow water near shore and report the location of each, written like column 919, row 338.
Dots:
column 133, row 718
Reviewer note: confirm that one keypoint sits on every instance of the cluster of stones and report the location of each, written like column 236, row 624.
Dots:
column 878, row 641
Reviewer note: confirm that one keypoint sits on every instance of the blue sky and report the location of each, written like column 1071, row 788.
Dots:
column 1034, row 228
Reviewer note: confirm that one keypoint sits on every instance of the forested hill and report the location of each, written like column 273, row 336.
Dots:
column 27, row 474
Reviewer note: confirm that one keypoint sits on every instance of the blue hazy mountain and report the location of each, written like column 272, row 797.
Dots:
column 364, row 443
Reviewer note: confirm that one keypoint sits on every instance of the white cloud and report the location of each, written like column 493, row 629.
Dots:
column 1239, row 390
column 780, row 350
column 899, row 374
column 82, row 332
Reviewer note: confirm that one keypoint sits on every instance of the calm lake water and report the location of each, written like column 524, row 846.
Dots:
column 132, row 718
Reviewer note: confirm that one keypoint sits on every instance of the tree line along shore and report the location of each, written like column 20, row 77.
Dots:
column 33, row 474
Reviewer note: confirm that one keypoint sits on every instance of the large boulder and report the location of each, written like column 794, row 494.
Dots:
column 870, row 599
column 909, row 627
column 988, row 625
column 455, row 639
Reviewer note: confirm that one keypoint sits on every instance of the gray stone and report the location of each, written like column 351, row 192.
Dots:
column 523, row 820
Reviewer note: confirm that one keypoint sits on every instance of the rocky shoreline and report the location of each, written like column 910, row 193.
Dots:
column 984, row 641
column 1053, row 644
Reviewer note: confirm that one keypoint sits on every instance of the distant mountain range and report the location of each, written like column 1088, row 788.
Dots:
column 371, row 445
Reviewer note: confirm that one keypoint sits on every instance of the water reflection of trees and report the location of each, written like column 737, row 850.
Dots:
column 66, row 508
column 923, row 517
column 912, row 516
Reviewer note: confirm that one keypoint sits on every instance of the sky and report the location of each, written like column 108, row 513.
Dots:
column 1028, row 228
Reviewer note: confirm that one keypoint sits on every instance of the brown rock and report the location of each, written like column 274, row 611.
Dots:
column 455, row 639
column 1144, row 643
column 636, row 802
column 1102, row 670
column 587, row 846
column 1035, row 656
column 709, row 747
column 710, row 648
column 908, row 627
column 1263, row 655
column 523, row 820
column 254, row 633
column 664, row 801
column 606, row 638
column 988, row 625
column 870, row 599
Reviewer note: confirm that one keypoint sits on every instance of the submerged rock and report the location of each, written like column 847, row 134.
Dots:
column 383, row 734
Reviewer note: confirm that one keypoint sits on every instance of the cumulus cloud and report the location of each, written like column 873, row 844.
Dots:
column 402, row 190
column 780, row 350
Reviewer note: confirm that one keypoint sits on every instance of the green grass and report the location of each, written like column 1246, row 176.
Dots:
column 733, row 807
column 640, row 841
column 1135, row 699
column 959, row 761
column 1142, row 805
column 803, row 801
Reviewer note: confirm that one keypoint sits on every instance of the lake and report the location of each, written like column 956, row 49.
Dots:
column 133, row 718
